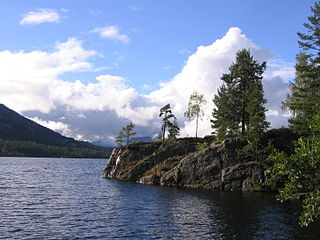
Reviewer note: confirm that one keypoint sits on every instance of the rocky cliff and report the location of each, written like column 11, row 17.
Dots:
column 178, row 163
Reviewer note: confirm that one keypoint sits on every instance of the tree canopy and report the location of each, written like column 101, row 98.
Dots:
column 168, row 121
column 195, row 105
column 125, row 133
column 239, row 103
column 305, row 91
column 301, row 169
column 173, row 130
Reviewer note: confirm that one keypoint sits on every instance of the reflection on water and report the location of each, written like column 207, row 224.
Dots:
column 68, row 199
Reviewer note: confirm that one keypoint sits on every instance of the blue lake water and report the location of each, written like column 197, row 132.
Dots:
column 46, row 198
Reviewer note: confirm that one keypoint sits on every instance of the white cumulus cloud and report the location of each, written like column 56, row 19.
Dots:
column 40, row 16
column 28, row 78
column 112, row 32
column 55, row 126
column 31, row 83
column 202, row 72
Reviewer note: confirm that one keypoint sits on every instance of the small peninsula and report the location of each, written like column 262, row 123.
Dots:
column 180, row 162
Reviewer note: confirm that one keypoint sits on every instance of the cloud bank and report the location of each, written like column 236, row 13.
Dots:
column 30, row 83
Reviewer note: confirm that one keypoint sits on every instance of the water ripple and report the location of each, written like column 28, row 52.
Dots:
column 68, row 199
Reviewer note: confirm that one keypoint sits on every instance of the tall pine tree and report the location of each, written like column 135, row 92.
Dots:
column 305, row 91
column 240, row 100
column 166, row 115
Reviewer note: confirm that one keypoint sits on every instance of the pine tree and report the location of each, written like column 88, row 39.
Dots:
column 257, row 122
column 224, row 121
column 173, row 130
column 305, row 91
column 195, row 105
column 310, row 42
column 167, row 115
column 119, row 139
column 128, row 131
column 240, row 100
column 301, row 169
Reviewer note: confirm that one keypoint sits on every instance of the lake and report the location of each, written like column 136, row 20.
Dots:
column 47, row 198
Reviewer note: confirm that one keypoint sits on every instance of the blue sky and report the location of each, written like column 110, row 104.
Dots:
column 138, row 47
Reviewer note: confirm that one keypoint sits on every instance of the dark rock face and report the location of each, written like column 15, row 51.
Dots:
column 178, row 163
column 125, row 158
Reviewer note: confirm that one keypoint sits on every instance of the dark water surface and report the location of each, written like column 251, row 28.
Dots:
column 68, row 199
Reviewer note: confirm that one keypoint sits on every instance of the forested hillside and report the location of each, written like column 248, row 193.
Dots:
column 20, row 136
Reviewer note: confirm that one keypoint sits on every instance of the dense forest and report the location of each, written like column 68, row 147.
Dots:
column 32, row 149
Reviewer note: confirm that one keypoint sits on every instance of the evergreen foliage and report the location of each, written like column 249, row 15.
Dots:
column 195, row 105
column 120, row 138
column 305, row 91
column 173, row 130
column 167, row 116
column 126, row 133
column 240, row 100
column 300, row 170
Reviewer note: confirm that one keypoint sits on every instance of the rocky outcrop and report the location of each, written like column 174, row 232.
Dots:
column 178, row 163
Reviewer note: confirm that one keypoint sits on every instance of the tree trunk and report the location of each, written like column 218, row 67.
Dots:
column 197, row 126
column 243, row 121
column 163, row 134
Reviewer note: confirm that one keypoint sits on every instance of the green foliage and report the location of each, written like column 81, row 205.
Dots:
column 195, row 105
column 176, row 176
column 119, row 139
column 125, row 133
column 256, row 186
column 167, row 116
column 301, row 171
column 282, row 139
column 224, row 122
column 202, row 145
column 173, row 130
column 32, row 149
column 310, row 41
column 240, row 100
column 304, row 96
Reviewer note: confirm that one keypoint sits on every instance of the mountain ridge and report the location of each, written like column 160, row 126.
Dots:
column 15, row 127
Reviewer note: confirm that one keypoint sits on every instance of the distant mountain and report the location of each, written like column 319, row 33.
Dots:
column 143, row 139
column 14, row 127
column 105, row 143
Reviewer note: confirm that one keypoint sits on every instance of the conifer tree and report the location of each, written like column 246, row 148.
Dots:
column 167, row 115
column 173, row 130
column 301, row 169
column 240, row 100
column 119, row 139
column 128, row 132
column 224, row 122
column 305, row 91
